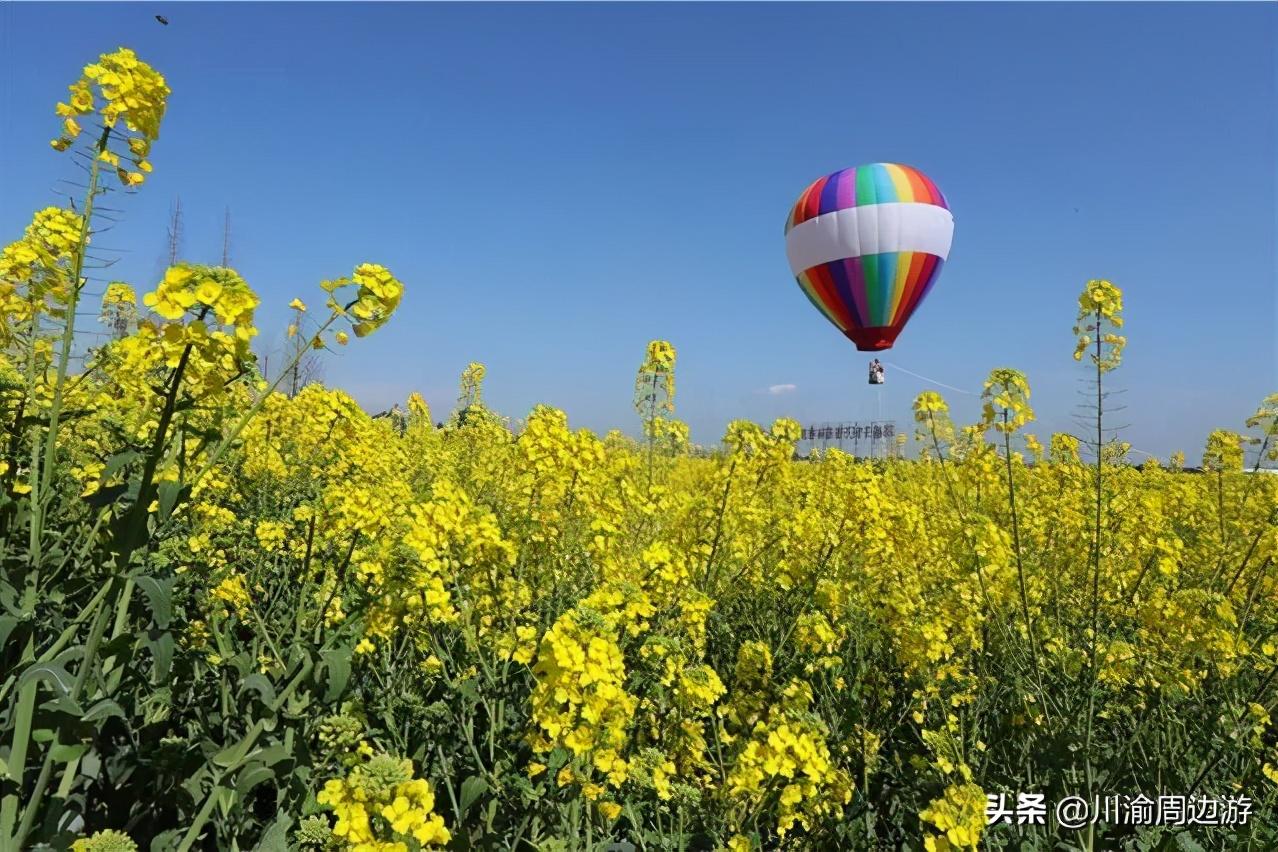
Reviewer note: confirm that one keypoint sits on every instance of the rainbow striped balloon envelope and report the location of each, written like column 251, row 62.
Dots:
column 866, row 245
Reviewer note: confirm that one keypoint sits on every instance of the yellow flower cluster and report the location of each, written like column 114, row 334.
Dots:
column 107, row 840
column 376, row 298
column 200, row 334
column 654, row 383
column 1100, row 308
column 1266, row 420
column 119, row 293
column 660, row 357
column 204, row 290
column 959, row 816
column 49, row 242
column 36, row 271
column 1224, row 451
column 1006, row 398
column 789, row 757
column 381, row 807
column 131, row 91
column 234, row 593
column 418, row 409
column 1064, row 449
column 935, row 428
column 781, row 748
column 580, row 701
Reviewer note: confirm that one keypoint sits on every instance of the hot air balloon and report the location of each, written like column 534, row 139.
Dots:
column 866, row 245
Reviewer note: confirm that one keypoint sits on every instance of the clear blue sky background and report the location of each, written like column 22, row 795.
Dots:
column 559, row 184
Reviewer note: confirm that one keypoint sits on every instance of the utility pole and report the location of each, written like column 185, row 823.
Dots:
column 226, row 238
column 175, row 231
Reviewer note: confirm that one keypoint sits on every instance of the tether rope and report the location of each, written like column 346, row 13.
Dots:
column 926, row 379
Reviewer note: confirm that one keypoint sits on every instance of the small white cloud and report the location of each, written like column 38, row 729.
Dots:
column 777, row 390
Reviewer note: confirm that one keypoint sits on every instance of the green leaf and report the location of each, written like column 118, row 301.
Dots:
column 159, row 594
column 338, row 664
column 275, row 838
column 272, row 755
column 468, row 690
column 166, row 840
column 118, row 461
column 122, row 648
column 102, row 710
column 241, row 663
column 7, row 623
column 524, row 787
column 54, row 675
column 297, row 704
column 106, row 496
column 67, row 753
column 162, row 647
column 1186, row 843
column 194, row 785
column 225, row 798
column 252, row 775
column 157, row 706
column 91, row 766
column 169, row 494
column 232, row 756
column 9, row 595
column 260, row 684
column 471, row 789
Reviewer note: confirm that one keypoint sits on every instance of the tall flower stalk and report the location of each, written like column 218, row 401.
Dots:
column 118, row 89
column 1100, row 307
column 654, row 393
column 133, row 94
column 1007, row 408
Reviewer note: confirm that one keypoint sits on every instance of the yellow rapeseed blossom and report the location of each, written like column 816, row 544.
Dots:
column 1224, row 451
column 107, row 840
column 598, row 633
column 35, row 271
column 959, row 816
column 380, row 805
column 119, row 293
column 1006, row 400
column 130, row 91
column 1266, row 419
column 377, row 296
column 580, row 701
column 234, row 593
column 1100, row 308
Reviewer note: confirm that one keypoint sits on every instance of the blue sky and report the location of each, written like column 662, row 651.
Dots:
column 559, row 184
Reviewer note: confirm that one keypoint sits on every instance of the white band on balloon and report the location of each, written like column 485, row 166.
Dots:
column 870, row 229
